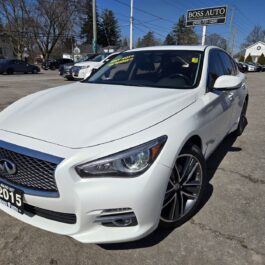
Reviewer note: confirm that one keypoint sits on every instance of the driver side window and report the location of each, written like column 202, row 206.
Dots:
column 215, row 68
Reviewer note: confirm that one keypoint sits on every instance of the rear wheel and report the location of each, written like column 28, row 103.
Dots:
column 9, row 71
column 34, row 71
column 185, row 188
column 242, row 120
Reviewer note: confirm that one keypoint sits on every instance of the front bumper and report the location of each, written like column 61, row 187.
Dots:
column 88, row 198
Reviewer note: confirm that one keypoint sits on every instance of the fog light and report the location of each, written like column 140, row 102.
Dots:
column 119, row 219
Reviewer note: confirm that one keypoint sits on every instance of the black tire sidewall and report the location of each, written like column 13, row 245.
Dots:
column 195, row 151
column 242, row 121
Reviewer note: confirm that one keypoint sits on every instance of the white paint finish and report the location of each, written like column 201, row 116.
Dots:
column 106, row 119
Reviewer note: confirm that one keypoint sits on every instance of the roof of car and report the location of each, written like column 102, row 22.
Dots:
column 175, row 47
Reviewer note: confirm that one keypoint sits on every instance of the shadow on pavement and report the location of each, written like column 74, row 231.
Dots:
column 158, row 235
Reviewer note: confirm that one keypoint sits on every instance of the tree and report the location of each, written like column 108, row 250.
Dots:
column 249, row 59
column 241, row 58
column 16, row 24
column 184, row 35
column 216, row 40
column 148, row 40
column 1, row 26
column 86, row 23
column 261, row 59
column 257, row 34
column 124, row 44
column 51, row 21
column 110, row 28
column 138, row 43
column 169, row 40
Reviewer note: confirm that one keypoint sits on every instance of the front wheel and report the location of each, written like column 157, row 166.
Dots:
column 185, row 188
column 34, row 71
column 9, row 71
column 242, row 120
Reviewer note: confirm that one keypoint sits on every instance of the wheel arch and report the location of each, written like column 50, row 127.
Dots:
column 194, row 140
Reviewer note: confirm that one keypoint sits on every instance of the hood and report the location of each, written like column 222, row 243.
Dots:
column 82, row 115
column 87, row 63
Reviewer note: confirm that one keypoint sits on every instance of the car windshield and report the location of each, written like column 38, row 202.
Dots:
column 163, row 68
column 100, row 57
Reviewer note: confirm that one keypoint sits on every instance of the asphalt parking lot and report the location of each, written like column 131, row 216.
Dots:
column 229, row 228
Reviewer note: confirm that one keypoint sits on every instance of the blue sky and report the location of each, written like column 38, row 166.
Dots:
column 247, row 14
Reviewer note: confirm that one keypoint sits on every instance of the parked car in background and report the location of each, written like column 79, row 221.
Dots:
column 83, row 70
column 261, row 67
column 253, row 67
column 64, row 69
column 11, row 66
column 114, row 157
column 243, row 67
column 55, row 64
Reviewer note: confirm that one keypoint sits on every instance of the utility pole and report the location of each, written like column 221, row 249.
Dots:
column 131, row 26
column 204, row 27
column 94, row 44
column 230, row 30
column 233, row 43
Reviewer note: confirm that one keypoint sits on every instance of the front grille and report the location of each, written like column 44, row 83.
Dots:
column 32, row 173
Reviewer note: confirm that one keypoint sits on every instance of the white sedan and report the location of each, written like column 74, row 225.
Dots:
column 124, row 152
column 84, row 69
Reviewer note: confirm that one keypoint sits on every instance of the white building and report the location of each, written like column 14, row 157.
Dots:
column 255, row 50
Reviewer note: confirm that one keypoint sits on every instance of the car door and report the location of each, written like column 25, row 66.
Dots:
column 15, row 65
column 235, row 95
column 217, row 104
column 19, row 66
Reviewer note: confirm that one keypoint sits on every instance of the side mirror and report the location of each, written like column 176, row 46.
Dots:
column 227, row 82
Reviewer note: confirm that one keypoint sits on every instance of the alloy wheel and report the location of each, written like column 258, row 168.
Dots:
column 183, row 188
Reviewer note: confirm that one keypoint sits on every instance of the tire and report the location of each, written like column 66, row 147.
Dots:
column 243, row 122
column 69, row 78
column 185, row 188
column 34, row 71
column 9, row 71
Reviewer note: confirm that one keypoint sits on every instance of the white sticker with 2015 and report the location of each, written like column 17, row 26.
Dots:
column 11, row 197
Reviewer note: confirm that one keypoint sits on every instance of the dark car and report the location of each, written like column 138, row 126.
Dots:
column 55, row 64
column 65, row 69
column 17, row 66
column 242, row 67
column 261, row 67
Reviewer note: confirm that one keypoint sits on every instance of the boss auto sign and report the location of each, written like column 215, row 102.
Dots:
column 205, row 16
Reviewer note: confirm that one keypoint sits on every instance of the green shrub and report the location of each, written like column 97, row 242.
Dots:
column 249, row 59
column 241, row 58
column 261, row 59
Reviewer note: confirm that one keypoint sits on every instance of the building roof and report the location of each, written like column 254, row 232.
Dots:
column 258, row 42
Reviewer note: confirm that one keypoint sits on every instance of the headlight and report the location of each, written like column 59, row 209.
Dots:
column 128, row 163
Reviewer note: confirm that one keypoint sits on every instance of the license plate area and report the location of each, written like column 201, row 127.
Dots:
column 12, row 197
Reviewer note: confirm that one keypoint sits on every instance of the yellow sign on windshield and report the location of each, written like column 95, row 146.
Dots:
column 125, row 59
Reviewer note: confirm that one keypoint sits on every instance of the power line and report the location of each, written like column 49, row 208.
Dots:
column 145, row 12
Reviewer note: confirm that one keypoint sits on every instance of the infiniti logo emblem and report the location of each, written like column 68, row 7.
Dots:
column 8, row 167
